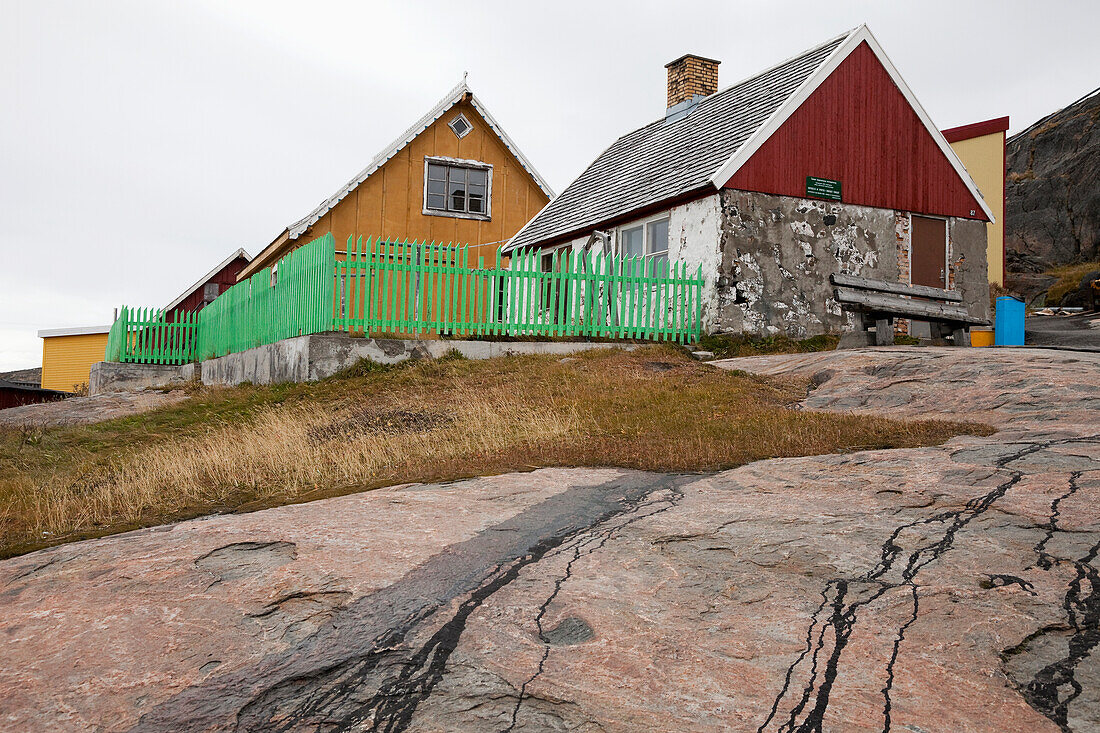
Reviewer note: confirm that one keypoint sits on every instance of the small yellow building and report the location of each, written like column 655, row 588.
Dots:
column 981, row 148
column 453, row 177
column 68, row 355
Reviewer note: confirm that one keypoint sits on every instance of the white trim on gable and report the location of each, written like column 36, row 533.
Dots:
column 453, row 97
column 784, row 112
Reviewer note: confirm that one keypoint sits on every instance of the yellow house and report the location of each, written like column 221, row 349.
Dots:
column 453, row 177
column 981, row 148
column 68, row 355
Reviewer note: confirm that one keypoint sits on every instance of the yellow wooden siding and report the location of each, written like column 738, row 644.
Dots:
column 67, row 360
column 984, row 159
column 390, row 203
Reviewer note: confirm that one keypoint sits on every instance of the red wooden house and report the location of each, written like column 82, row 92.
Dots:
column 824, row 163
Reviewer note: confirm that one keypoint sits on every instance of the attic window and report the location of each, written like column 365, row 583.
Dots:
column 461, row 188
column 461, row 126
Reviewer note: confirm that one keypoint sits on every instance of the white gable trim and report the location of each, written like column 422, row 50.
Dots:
column 453, row 97
column 784, row 112
column 217, row 268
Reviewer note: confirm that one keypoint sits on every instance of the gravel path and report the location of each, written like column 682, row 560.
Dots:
column 954, row 588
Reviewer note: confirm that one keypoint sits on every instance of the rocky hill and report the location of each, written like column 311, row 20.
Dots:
column 23, row 376
column 1052, row 197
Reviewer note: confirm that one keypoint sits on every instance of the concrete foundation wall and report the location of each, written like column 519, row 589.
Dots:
column 106, row 376
column 308, row 358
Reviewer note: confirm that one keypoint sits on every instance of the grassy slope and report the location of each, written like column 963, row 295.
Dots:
column 252, row 447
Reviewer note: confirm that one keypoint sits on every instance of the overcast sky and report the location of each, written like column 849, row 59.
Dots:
column 142, row 142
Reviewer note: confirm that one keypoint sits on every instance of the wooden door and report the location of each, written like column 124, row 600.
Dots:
column 928, row 255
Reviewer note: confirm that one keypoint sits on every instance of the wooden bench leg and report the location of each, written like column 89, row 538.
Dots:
column 884, row 332
column 961, row 337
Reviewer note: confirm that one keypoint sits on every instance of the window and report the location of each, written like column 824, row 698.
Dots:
column 632, row 242
column 457, row 188
column 656, row 240
column 649, row 240
column 210, row 291
column 460, row 126
column 555, row 294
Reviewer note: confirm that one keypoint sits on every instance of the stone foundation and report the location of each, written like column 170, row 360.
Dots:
column 109, row 376
column 309, row 358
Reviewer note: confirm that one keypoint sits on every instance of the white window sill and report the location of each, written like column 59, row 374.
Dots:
column 457, row 215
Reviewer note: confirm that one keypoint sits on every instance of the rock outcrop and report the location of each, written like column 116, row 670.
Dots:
column 1052, row 200
column 953, row 588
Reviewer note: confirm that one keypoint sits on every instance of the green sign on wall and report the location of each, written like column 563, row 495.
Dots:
column 822, row 188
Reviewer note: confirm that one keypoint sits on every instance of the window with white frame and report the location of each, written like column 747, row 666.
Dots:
column 648, row 239
column 457, row 188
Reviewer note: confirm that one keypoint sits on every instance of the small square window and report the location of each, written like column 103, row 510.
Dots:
column 210, row 291
column 461, row 126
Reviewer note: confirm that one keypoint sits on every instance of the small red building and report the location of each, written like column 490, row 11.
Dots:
column 210, row 285
column 14, row 394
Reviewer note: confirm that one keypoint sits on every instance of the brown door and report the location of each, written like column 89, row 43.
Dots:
column 928, row 260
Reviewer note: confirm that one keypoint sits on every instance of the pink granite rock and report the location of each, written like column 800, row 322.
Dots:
column 941, row 589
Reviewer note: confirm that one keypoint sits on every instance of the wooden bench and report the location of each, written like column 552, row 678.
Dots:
column 878, row 303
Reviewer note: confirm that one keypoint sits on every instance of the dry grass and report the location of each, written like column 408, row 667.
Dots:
column 252, row 447
column 1069, row 280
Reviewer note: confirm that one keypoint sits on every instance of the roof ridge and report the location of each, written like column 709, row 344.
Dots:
column 794, row 57
column 747, row 79
column 449, row 100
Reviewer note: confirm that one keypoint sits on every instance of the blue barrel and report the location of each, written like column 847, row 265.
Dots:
column 1008, row 324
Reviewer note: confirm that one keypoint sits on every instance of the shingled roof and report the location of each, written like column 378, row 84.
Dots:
column 663, row 161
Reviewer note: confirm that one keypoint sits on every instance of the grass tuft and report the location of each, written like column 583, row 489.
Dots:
column 727, row 347
column 1069, row 280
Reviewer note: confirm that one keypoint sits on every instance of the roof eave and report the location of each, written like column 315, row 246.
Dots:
column 614, row 221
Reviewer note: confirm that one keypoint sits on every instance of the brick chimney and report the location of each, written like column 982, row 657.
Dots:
column 690, row 76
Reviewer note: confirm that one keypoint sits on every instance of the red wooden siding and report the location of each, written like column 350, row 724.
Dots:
column 858, row 128
column 225, row 277
column 15, row 396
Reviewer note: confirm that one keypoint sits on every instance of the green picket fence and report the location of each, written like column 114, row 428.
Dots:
column 415, row 288
column 149, row 336
column 293, row 298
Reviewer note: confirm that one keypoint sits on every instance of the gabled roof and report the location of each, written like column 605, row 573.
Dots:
column 453, row 97
column 202, row 280
column 664, row 161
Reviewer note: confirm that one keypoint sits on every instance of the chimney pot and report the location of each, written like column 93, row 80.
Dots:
column 691, row 76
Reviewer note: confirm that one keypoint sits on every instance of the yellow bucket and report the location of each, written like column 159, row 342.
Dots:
column 981, row 338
